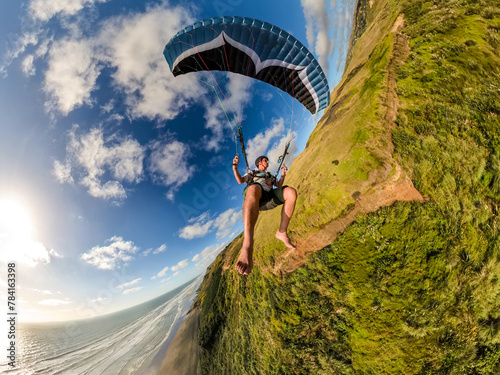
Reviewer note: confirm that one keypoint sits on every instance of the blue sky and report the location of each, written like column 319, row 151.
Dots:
column 115, row 177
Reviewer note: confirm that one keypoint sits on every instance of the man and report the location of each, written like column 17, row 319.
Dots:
column 260, row 195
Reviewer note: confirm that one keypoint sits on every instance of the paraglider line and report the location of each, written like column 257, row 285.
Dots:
column 216, row 93
column 222, row 92
column 246, row 79
column 221, row 104
column 208, row 70
column 228, row 69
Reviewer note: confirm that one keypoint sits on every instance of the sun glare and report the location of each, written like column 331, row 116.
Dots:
column 15, row 219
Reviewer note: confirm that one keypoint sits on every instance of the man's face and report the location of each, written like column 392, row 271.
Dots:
column 264, row 164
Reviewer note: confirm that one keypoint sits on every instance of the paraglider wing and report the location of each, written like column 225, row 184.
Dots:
column 252, row 48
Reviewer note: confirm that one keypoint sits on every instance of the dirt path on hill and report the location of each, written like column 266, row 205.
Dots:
column 395, row 185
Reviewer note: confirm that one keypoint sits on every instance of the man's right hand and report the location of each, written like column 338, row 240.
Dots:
column 237, row 175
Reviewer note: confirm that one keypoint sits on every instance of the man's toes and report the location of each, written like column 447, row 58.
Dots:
column 241, row 267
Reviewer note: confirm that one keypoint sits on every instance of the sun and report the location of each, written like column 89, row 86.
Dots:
column 15, row 219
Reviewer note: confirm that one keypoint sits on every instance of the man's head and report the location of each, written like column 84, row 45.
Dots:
column 262, row 162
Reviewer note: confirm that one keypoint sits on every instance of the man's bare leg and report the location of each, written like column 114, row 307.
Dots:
column 290, row 197
column 250, row 216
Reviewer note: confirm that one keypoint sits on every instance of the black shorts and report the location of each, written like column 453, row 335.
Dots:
column 269, row 199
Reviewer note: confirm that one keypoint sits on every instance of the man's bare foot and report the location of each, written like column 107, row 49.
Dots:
column 245, row 262
column 282, row 236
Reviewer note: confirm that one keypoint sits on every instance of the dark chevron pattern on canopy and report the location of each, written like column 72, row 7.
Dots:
column 252, row 48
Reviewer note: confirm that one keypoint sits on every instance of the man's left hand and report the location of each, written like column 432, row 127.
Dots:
column 284, row 169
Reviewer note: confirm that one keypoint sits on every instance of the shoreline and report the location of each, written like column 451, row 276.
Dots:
column 183, row 354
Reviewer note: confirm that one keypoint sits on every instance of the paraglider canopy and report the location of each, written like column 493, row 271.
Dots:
column 252, row 48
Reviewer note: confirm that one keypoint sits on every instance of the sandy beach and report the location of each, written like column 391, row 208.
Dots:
column 182, row 356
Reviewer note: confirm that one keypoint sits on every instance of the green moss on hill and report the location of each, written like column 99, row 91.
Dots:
column 413, row 288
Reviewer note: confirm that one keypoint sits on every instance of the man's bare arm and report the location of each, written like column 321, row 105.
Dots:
column 281, row 181
column 237, row 174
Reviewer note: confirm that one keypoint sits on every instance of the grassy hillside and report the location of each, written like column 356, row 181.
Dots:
column 411, row 288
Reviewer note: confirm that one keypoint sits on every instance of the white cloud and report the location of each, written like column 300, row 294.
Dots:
column 26, row 251
column 110, row 189
column 318, row 23
column 54, row 302
column 71, row 75
column 130, row 45
column 196, row 230
column 28, row 66
column 55, row 254
column 99, row 300
column 133, row 46
column 170, row 195
column 108, row 107
column 160, row 249
column 272, row 143
column 110, row 257
column 116, row 117
column 62, row 172
column 130, row 283
column 205, row 216
column 132, row 290
column 215, row 120
column 182, row 264
column 46, row 292
column 46, row 9
column 17, row 46
column 275, row 152
column 343, row 17
column 259, row 144
column 208, row 255
column 266, row 96
column 94, row 155
column 204, row 224
column 328, row 30
column 162, row 273
column 225, row 222
column 237, row 93
column 43, row 46
column 169, row 165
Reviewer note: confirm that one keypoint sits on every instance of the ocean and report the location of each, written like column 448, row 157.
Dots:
column 131, row 341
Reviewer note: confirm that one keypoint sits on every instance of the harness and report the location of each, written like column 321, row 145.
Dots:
column 269, row 199
column 258, row 174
